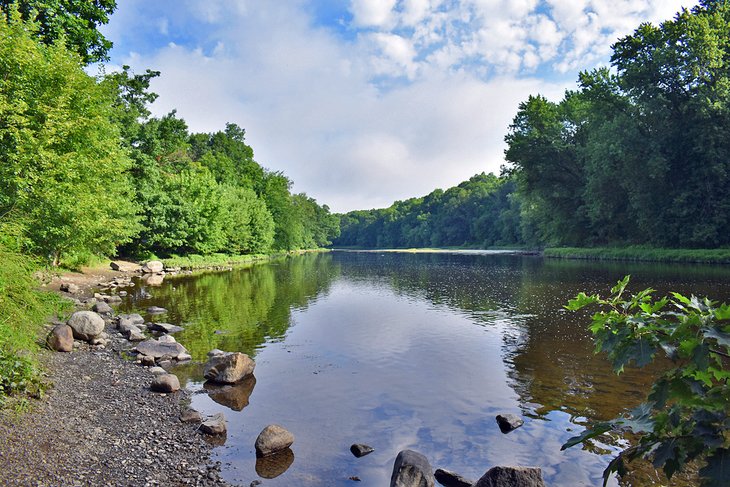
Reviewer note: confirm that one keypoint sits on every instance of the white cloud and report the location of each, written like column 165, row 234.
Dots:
column 313, row 103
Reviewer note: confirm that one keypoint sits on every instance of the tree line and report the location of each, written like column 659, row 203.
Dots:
column 638, row 154
column 86, row 170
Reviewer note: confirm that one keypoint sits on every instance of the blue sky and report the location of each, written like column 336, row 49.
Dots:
column 364, row 102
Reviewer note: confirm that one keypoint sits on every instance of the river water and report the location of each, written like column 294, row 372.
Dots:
column 407, row 350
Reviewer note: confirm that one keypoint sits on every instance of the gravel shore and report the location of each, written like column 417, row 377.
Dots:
column 101, row 425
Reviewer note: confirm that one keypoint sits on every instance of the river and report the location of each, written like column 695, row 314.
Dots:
column 411, row 350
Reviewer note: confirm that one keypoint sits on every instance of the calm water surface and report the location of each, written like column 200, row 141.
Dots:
column 416, row 351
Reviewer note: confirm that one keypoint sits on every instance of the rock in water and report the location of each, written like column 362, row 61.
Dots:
column 228, row 368
column 86, row 325
column 215, row 425
column 272, row 439
column 511, row 477
column 234, row 396
column 156, row 310
column 159, row 349
column 190, row 416
column 509, row 422
column 360, row 450
column 448, row 478
column 153, row 267
column 61, row 338
column 165, row 383
column 411, row 469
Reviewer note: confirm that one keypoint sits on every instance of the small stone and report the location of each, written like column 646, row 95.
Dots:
column 360, row 450
column 164, row 327
column 146, row 360
column 509, row 422
column 215, row 352
column 167, row 339
column 70, row 288
column 113, row 299
column 135, row 336
column 102, row 308
column 190, row 416
column 215, row 425
column 448, row 478
column 184, row 357
column 157, row 370
column 165, row 383
column 272, row 439
column 133, row 318
column 61, row 338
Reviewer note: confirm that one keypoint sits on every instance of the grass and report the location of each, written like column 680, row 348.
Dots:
column 23, row 311
column 641, row 254
column 195, row 261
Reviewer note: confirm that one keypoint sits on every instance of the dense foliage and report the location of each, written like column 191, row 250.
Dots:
column 687, row 414
column 482, row 211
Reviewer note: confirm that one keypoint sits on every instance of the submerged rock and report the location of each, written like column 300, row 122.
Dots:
column 509, row 422
column 272, row 439
column 228, row 368
column 511, row 477
column 411, row 469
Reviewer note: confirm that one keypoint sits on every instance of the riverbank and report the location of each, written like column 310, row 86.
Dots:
column 641, row 254
column 99, row 423
column 218, row 261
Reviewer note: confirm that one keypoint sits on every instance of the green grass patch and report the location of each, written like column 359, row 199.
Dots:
column 641, row 254
column 195, row 261
column 23, row 311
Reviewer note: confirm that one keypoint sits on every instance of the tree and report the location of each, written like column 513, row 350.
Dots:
column 687, row 414
column 75, row 22
column 63, row 173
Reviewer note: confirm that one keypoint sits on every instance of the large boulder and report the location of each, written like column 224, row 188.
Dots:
column 273, row 439
column 86, row 325
column 165, row 383
column 228, row 368
column 61, row 339
column 153, row 267
column 160, row 349
column 511, row 477
column 411, row 469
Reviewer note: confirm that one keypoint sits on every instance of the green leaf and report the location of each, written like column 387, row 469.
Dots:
column 717, row 471
column 620, row 286
column 723, row 312
column 587, row 434
column 581, row 301
column 681, row 299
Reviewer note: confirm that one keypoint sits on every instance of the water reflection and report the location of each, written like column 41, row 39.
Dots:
column 416, row 351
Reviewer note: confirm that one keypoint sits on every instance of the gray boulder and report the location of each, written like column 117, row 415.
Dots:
column 448, row 478
column 215, row 425
column 86, row 325
column 190, row 416
column 102, row 308
column 411, row 469
column 272, row 439
column 159, row 349
column 511, row 477
column 133, row 318
column 153, row 267
column 61, row 339
column 164, row 327
column 509, row 422
column 228, row 368
column 165, row 383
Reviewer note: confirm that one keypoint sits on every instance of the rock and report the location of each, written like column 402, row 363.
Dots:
column 164, row 327
column 126, row 326
column 157, row 370
column 190, row 416
column 61, row 338
column 271, row 466
column 184, row 357
column 86, row 325
column 360, row 450
column 165, row 383
column 159, row 349
column 122, row 293
column 115, row 266
column 215, row 425
column 509, row 422
column 411, row 469
column 448, row 478
column 70, row 288
column 102, row 308
column 133, row 318
column 228, row 368
column 215, row 352
column 148, row 361
column 113, row 299
column 136, row 336
column 272, row 439
column 153, row 267
column 125, row 266
column 234, row 396
column 156, row 310
column 167, row 339
column 511, row 477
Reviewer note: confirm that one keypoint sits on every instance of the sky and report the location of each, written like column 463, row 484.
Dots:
column 365, row 102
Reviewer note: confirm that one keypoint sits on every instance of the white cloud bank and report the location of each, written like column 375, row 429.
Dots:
column 406, row 97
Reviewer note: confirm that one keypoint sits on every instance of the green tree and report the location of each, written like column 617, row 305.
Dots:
column 687, row 414
column 74, row 21
column 63, row 172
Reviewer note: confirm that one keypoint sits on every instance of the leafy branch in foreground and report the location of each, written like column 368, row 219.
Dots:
column 685, row 417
